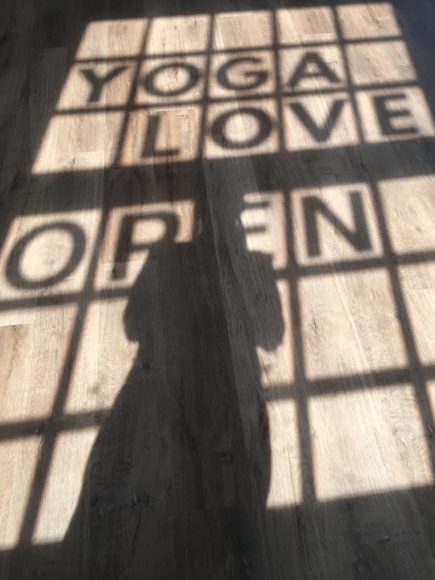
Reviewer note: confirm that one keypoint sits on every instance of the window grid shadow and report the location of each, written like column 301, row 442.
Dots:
column 302, row 388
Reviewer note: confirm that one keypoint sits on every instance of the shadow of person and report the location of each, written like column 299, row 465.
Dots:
column 169, row 491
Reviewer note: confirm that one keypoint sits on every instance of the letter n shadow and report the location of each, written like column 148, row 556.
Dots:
column 359, row 237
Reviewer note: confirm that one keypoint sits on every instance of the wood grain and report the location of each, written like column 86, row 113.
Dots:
column 217, row 290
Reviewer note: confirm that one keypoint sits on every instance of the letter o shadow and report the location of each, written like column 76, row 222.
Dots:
column 192, row 74
column 13, row 266
column 264, row 128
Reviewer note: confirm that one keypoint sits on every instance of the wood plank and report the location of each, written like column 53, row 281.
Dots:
column 217, row 291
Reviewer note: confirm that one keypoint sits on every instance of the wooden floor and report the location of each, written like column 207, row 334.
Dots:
column 217, row 290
